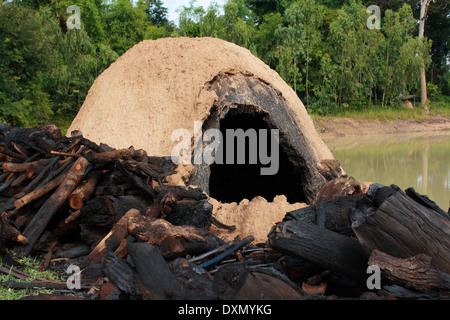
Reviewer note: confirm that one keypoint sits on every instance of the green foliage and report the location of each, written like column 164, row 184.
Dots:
column 211, row 23
column 322, row 48
column 125, row 25
column 154, row 32
column 190, row 20
column 238, row 23
column 155, row 11
column 23, row 55
column 266, row 40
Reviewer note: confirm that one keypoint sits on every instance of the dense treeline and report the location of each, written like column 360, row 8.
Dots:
column 322, row 48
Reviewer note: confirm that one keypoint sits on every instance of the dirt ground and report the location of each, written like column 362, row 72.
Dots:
column 343, row 127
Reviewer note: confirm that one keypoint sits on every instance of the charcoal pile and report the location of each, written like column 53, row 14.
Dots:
column 111, row 213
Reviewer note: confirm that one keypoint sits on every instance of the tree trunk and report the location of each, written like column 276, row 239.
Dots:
column 414, row 272
column 424, row 4
column 238, row 282
column 307, row 73
column 153, row 273
column 394, row 223
column 112, row 239
column 322, row 247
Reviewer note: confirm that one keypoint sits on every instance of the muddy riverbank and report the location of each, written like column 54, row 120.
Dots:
column 344, row 127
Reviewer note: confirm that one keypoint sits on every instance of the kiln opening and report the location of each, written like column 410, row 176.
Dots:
column 235, row 182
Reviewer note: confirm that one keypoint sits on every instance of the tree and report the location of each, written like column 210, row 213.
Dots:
column 424, row 4
column 155, row 10
column 211, row 24
column 26, row 53
column 266, row 40
column 304, row 19
column 154, row 32
column 125, row 25
column 263, row 7
column 190, row 20
column 91, row 17
column 238, row 23
column 404, row 54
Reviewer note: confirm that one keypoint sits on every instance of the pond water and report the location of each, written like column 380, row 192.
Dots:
column 407, row 160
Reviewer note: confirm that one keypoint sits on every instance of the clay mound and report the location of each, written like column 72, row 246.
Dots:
column 160, row 86
column 255, row 218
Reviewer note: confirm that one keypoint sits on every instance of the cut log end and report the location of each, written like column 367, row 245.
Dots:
column 22, row 240
column 76, row 202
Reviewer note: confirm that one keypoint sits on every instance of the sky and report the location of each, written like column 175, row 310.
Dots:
column 173, row 5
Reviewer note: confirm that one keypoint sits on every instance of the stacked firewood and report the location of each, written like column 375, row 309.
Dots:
column 112, row 213
column 70, row 198
column 393, row 240
column 45, row 173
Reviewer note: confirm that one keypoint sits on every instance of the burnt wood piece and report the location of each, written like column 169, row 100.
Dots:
column 9, row 181
column 240, row 282
column 33, row 184
column 35, row 284
column 188, row 212
column 185, row 193
column 78, row 139
column 146, row 169
column 105, row 211
column 392, row 222
column 185, row 206
column 136, row 180
column 338, row 188
column 333, row 215
column 414, row 272
column 112, row 240
column 84, row 191
column 24, row 166
column 65, row 166
column 153, row 272
column 115, row 190
column 74, row 252
column 20, row 149
column 198, row 286
column 112, row 156
column 174, row 241
column 93, row 146
column 120, row 273
column 425, row 201
column 39, row 192
column 215, row 261
column 42, row 218
column 8, row 232
column 4, row 150
column 322, row 247
column 43, row 143
column 10, row 178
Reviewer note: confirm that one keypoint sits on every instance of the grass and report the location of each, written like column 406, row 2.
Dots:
column 438, row 108
column 31, row 267
column 63, row 122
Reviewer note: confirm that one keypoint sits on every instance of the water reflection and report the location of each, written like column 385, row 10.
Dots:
column 407, row 160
